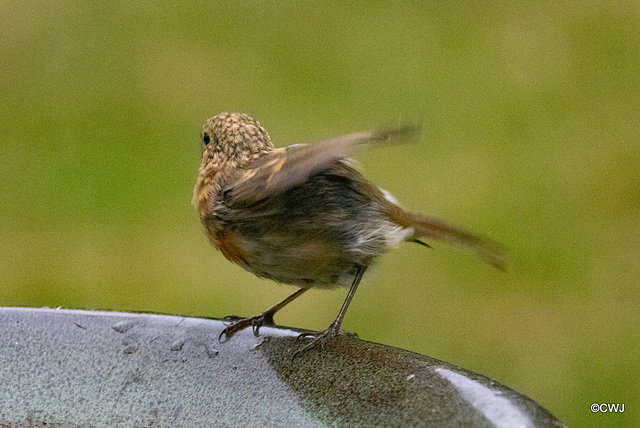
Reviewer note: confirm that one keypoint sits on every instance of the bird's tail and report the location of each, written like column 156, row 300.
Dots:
column 431, row 228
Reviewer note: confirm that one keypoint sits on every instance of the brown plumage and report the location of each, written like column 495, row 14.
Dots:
column 302, row 215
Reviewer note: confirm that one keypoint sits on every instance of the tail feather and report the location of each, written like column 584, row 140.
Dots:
column 431, row 228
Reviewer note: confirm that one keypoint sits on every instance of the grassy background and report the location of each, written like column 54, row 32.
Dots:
column 531, row 114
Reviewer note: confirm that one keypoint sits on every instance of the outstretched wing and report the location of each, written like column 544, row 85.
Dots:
column 286, row 168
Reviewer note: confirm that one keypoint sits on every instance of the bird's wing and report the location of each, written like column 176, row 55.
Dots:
column 286, row 168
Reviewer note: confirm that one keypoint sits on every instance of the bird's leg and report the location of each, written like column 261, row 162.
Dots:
column 265, row 318
column 322, row 337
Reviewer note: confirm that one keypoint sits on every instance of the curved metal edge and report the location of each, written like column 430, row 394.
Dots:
column 65, row 367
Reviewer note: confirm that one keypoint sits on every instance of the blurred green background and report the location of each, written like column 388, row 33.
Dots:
column 531, row 135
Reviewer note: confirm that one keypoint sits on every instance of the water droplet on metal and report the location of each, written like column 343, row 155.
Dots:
column 130, row 349
column 259, row 344
column 123, row 326
column 211, row 351
column 177, row 345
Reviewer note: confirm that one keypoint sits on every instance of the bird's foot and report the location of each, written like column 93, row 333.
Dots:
column 240, row 323
column 321, row 337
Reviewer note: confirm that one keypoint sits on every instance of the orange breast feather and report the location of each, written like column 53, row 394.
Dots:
column 230, row 246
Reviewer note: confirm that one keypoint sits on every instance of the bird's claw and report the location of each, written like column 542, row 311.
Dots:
column 319, row 338
column 240, row 323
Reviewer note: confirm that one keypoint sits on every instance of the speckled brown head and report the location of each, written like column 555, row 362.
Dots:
column 232, row 139
column 229, row 141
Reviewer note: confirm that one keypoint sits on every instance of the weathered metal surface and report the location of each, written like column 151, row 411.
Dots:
column 68, row 368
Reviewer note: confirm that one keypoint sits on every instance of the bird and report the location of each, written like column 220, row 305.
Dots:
column 303, row 215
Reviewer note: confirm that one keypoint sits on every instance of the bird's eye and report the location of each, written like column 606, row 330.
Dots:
column 206, row 138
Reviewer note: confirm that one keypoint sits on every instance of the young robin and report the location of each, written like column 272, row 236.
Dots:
column 302, row 215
